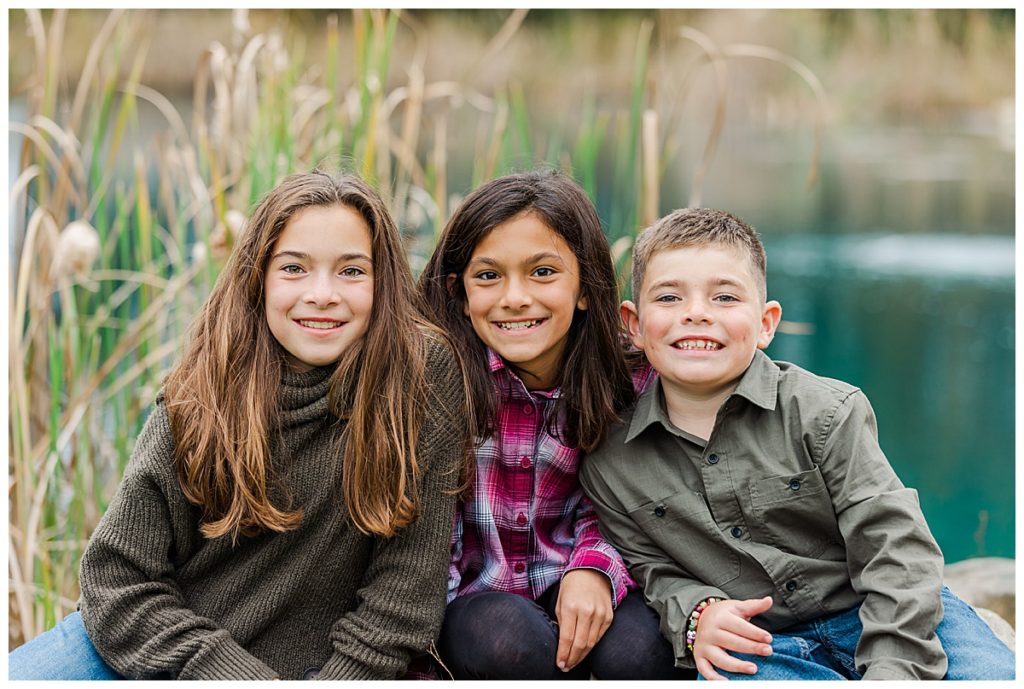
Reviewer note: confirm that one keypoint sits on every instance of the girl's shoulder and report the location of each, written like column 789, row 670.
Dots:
column 152, row 459
column 439, row 352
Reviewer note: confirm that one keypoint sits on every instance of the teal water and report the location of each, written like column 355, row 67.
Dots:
column 900, row 263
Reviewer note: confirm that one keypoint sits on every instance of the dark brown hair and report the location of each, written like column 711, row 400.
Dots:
column 699, row 227
column 222, row 397
column 595, row 383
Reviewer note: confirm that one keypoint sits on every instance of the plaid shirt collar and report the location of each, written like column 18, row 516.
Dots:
column 513, row 384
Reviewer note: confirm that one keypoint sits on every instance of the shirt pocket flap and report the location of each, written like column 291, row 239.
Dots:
column 786, row 487
column 681, row 525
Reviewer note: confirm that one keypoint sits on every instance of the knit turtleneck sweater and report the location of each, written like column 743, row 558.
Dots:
column 161, row 601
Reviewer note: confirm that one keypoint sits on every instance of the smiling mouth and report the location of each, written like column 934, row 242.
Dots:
column 706, row 345
column 320, row 325
column 519, row 325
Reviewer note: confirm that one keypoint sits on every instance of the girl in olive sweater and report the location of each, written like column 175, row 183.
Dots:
column 288, row 507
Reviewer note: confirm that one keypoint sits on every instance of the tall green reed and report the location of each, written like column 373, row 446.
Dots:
column 119, row 237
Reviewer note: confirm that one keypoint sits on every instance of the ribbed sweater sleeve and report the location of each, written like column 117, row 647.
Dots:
column 402, row 597
column 132, row 608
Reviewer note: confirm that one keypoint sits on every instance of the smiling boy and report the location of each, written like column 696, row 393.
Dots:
column 750, row 497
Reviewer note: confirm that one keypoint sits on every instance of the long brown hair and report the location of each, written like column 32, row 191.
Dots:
column 594, row 379
column 222, row 397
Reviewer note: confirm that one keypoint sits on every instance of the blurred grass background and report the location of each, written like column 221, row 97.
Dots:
column 140, row 139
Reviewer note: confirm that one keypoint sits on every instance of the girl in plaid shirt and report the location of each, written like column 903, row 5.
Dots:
column 522, row 280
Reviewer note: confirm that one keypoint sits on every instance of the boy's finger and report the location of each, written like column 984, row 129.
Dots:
column 724, row 661
column 742, row 644
column 754, row 606
column 748, row 630
column 707, row 670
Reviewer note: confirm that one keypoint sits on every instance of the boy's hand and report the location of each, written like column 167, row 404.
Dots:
column 584, row 612
column 725, row 626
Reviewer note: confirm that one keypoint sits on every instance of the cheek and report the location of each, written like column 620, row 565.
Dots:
column 476, row 304
column 364, row 299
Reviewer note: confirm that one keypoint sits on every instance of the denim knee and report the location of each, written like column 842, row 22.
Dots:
column 973, row 651
column 63, row 653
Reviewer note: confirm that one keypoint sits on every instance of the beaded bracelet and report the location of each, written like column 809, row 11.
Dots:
column 691, row 628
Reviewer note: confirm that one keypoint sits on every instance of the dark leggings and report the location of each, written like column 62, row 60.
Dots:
column 495, row 635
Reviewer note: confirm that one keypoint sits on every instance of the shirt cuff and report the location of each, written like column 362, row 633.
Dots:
column 607, row 565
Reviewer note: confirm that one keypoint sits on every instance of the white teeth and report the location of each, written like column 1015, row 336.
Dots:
column 697, row 344
column 517, row 325
column 321, row 325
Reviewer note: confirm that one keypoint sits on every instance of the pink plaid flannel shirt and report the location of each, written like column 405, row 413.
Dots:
column 527, row 521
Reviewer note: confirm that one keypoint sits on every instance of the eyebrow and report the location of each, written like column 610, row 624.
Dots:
column 662, row 284
column 540, row 256
column 352, row 256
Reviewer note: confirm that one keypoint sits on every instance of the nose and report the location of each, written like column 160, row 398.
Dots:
column 323, row 292
column 696, row 311
column 516, row 295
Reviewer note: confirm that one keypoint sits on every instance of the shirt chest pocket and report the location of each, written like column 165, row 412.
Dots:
column 794, row 513
column 681, row 525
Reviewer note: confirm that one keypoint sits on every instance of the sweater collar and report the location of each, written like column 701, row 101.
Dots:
column 304, row 394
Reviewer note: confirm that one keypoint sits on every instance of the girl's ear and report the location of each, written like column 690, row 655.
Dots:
column 770, row 317
column 631, row 319
column 452, row 277
column 582, row 303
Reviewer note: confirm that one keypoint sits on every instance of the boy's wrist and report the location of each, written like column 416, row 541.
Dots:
column 694, row 620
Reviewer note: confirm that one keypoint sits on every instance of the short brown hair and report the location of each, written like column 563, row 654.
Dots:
column 698, row 227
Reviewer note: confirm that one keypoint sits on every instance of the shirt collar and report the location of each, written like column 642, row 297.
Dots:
column 759, row 384
column 499, row 368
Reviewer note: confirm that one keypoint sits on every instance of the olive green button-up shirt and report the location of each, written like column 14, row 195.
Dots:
column 790, row 497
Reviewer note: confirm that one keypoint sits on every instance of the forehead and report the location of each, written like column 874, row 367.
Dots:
column 323, row 226
column 521, row 237
column 699, row 264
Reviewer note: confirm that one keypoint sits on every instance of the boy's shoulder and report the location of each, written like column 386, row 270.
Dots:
column 795, row 381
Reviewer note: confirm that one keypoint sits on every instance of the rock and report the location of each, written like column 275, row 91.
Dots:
column 985, row 582
column 1002, row 629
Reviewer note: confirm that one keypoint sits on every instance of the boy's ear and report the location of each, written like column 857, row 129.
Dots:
column 770, row 317
column 631, row 319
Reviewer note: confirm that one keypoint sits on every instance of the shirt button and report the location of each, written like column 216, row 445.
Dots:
column 736, row 531
column 521, row 519
column 791, row 585
column 794, row 484
column 310, row 673
column 712, row 458
column 659, row 511
column 519, row 568
column 528, row 409
column 525, row 462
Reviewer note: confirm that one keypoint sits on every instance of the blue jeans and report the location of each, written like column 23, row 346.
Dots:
column 64, row 652
column 824, row 648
